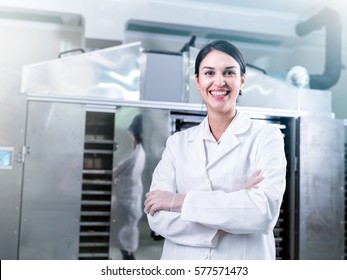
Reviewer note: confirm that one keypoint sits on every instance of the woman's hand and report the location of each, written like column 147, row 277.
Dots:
column 253, row 181
column 163, row 200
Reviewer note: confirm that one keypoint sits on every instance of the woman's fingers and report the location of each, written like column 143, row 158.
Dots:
column 254, row 180
column 157, row 200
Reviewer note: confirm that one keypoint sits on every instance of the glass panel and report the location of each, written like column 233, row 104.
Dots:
column 109, row 73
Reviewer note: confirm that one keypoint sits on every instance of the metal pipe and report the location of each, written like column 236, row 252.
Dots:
column 333, row 34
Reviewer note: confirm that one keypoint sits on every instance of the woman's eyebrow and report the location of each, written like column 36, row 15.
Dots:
column 212, row 68
column 207, row 67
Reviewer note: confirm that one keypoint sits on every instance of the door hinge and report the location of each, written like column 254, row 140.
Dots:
column 22, row 155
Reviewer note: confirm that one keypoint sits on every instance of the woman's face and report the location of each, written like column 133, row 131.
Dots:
column 219, row 81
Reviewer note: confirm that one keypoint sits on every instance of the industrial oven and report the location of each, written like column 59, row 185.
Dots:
column 78, row 110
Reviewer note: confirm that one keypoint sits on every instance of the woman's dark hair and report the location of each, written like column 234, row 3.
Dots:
column 222, row 46
column 136, row 128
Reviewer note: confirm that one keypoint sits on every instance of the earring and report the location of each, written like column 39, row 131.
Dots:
column 240, row 92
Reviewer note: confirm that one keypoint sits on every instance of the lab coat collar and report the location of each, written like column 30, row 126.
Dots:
column 239, row 125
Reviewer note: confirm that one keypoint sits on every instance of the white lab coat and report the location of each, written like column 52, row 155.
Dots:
column 219, row 218
column 128, row 204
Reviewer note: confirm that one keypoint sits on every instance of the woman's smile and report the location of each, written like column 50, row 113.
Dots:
column 219, row 93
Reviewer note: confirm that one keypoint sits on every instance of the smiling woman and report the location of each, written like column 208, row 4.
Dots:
column 219, row 76
column 217, row 190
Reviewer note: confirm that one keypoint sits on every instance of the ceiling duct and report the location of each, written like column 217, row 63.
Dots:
column 333, row 48
column 170, row 37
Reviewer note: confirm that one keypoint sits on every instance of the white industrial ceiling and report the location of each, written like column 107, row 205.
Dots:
column 267, row 22
column 299, row 7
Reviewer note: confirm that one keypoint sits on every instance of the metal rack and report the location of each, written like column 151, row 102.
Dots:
column 96, row 186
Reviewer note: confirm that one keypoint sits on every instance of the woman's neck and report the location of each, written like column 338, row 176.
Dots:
column 219, row 123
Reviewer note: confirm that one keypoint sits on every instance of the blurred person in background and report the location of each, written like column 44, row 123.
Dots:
column 129, row 190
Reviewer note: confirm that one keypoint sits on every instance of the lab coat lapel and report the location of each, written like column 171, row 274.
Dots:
column 225, row 147
column 197, row 147
column 230, row 139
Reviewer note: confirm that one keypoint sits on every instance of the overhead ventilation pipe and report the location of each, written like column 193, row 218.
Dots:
column 333, row 49
column 191, row 43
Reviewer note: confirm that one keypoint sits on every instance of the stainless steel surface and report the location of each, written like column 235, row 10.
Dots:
column 12, row 127
column 111, row 73
column 52, row 181
column 128, row 73
column 101, row 102
column 263, row 91
column 163, row 74
column 155, row 133
column 345, row 223
column 22, row 44
column 321, row 188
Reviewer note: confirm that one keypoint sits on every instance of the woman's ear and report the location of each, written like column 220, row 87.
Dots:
column 197, row 83
column 243, row 79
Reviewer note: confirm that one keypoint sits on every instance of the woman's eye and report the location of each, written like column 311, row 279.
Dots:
column 209, row 73
column 229, row 73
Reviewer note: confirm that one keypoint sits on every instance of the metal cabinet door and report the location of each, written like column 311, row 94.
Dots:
column 321, row 230
column 52, row 181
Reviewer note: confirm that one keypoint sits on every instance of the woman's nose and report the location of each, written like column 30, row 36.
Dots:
column 219, row 80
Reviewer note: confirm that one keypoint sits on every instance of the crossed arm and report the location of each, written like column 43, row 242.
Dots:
column 159, row 200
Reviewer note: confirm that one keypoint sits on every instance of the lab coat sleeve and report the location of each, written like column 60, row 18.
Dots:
column 169, row 224
column 245, row 211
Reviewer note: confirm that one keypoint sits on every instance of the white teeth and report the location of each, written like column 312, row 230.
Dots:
column 218, row 93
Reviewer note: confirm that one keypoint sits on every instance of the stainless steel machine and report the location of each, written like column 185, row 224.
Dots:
column 78, row 109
